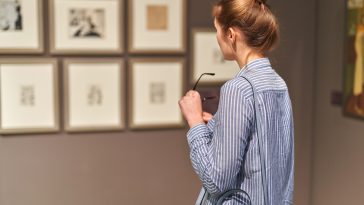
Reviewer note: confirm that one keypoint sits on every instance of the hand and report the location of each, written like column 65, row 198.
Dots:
column 191, row 107
column 206, row 117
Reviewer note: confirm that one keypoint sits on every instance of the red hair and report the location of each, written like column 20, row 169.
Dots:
column 252, row 17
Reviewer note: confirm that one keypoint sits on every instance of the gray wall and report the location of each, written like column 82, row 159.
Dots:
column 338, row 145
column 152, row 167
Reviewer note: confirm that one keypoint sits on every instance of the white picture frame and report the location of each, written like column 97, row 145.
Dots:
column 94, row 95
column 86, row 26
column 157, row 26
column 29, row 96
column 21, row 27
column 207, row 58
column 155, row 87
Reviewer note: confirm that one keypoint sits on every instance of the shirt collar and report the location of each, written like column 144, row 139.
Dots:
column 253, row 65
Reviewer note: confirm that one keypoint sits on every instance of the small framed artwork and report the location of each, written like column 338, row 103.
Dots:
column 155, row 88
column 207, row 58
column 21, row 26
column 353, row 67
column 157, row 26
column 94, row 95
column 86, row 26
column 29, row 96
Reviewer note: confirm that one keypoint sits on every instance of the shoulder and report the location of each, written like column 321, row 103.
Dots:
column 237, row 86
column 266, row 80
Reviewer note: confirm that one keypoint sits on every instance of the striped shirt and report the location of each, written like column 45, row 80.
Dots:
column 224, row 153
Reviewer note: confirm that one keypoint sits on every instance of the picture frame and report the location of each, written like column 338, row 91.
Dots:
column 206, row 57
column 29, row 96
column 94, row 94
column 155, row 87
column 86, row 26
column 353, row 72
column 157, row 26
column 21, row 27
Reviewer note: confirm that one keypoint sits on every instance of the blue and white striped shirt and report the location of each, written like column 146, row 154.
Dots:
column 224, row 153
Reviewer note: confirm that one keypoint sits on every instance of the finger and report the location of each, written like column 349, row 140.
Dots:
column 206, row 116
column 192, row 93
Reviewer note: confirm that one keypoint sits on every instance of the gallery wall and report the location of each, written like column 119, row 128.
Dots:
column 338, row 142
column 151, row 166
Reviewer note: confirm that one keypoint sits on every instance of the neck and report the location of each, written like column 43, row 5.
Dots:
column 246, row 55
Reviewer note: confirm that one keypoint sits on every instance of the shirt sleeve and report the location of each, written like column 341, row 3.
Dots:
column 217, row 156
column 211, row 125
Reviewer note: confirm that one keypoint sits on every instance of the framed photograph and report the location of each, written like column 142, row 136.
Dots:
column 94, row 95
column 21, row 26
column 86, row 26
column 354, row 61
column 155, row 87
column 207, row 58
column 29, row 96
column 157, row 26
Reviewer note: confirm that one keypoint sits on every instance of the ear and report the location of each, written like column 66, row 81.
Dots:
column 231, row 35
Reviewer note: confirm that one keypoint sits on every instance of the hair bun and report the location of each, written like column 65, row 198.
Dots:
column 253, row 17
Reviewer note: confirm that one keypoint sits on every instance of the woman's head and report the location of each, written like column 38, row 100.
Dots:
column 253, row 18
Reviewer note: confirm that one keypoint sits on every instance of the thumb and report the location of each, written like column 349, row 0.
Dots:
column 206, row 116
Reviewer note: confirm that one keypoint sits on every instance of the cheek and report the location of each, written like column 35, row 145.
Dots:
column 223, row 45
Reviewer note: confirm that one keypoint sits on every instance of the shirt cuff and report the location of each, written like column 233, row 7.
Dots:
column 200, row 130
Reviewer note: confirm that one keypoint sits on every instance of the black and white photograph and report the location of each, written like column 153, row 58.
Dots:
column 21, row 26
column 86, row 23
column 86, row 27
column 11, row 15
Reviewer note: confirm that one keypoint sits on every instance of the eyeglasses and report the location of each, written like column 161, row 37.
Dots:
column 198, row 80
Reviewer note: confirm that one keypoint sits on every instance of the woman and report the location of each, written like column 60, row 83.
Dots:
column 224, row 148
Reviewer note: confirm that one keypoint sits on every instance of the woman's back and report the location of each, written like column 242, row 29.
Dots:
column 230, row 157
column 277, row 136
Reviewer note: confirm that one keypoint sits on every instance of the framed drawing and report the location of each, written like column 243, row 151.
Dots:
column 86, row 26
column 354, row 63
column 29, row 96
column 157, row 26
column 94, row 95
column 21, row 26
column 207, row 58
column 155, row 87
